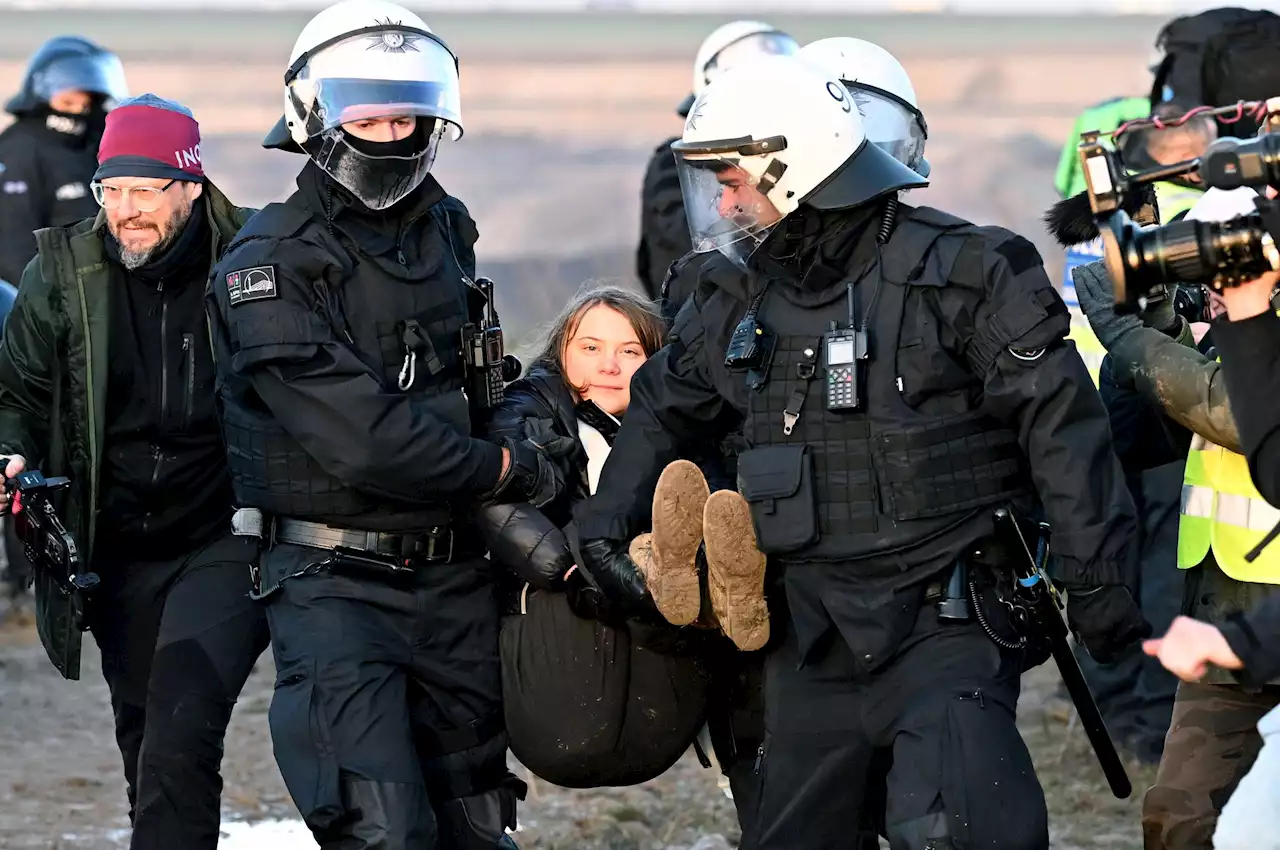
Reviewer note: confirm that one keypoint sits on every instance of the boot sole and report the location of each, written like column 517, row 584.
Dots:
column 735, row 570
column 678, row 503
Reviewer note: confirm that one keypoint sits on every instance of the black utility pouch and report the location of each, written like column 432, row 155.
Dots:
column 777, row 481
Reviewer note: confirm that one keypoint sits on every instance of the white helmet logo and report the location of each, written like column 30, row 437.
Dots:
column 393, row 42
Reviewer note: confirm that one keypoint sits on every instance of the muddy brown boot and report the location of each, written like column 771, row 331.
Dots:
column 735, row 570
column 671, row 571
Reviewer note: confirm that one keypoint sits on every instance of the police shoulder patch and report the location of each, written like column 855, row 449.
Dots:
column 252, row 284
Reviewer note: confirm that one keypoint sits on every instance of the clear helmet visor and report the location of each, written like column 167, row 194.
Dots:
column 726, row 203
column 379, row 75
column 100, row 73
column 377, row 181
column 751, row 47
column 890, row 124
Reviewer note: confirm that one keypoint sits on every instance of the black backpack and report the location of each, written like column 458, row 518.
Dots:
column 1217, row 58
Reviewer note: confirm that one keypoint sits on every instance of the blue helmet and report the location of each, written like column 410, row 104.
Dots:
column 69, row 62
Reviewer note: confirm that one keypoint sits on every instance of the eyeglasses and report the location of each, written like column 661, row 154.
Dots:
column 145, row 198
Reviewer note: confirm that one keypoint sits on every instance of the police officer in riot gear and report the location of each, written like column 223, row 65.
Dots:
column 48, row 155
column 338, row 318
column 664, row 232
column 898, row 374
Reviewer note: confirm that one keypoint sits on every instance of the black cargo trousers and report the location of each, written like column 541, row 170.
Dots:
column 940, row 708
column 387, row 717
column 179, row 638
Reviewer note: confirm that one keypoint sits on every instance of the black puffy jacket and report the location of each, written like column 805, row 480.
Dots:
column 534, row 543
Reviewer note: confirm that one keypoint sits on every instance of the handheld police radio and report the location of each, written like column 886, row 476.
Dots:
column 485, row 363
column 751, row 346
column 845, row 353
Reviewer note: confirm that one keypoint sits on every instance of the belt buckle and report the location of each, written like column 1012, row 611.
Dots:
column 432, row 554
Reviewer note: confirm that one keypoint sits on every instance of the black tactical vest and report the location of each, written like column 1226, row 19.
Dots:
column 402, row 329
column 885, row 477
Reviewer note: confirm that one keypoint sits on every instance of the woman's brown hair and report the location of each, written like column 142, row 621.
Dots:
column 640, row 312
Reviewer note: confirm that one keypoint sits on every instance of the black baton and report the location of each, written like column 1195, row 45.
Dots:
column 1045, row 607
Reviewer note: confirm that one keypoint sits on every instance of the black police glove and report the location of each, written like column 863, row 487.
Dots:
column 587, row 601
column 618, row 577
column 534, row 474
column 1105, row 619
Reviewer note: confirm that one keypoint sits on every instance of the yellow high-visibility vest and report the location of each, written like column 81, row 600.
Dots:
column 1091, row 351
column 1172, row 199
column 1223, row 511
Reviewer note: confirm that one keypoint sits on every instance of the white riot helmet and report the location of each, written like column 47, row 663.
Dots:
column 731, row 44
column 883, row 93
column 766, row 137
column 361, row 60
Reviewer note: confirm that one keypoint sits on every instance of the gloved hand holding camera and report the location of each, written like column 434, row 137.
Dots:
column 1098, row 303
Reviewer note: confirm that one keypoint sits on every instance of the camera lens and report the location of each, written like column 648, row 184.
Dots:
column 1141, row 260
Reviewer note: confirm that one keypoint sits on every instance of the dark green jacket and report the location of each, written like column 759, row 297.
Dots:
column 53, row 386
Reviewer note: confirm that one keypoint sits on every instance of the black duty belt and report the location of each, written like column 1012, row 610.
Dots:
column 441, row 544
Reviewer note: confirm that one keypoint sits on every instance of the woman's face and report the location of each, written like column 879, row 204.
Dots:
column 601, row 357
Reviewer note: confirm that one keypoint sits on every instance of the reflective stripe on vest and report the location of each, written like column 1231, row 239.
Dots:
column 1222, row 510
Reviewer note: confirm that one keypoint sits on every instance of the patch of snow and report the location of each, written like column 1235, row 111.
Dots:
column 267, row 835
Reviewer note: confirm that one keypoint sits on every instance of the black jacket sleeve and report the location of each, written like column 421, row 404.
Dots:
column 520, row 537
column 674, row 402
column 1250, row 352
column 318, row 389
column 1254, row 638
column 1036, row 382
column 23, row 207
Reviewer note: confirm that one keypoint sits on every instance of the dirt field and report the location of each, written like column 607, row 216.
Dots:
column 561, row 114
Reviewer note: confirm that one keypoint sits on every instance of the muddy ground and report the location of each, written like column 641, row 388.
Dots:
column 561, row 115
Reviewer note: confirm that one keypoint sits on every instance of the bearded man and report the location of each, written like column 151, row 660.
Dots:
column 106, row 376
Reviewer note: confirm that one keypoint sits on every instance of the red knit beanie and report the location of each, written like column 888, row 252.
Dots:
column 148, row 136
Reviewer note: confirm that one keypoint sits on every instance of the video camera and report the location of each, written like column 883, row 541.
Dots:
column 487, row 366
column 1141, row 260
column 47, row 543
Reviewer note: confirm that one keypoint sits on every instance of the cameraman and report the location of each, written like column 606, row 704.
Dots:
column 1212, row 740
column 106, row 376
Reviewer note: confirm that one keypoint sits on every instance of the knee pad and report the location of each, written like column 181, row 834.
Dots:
column 480, row 821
